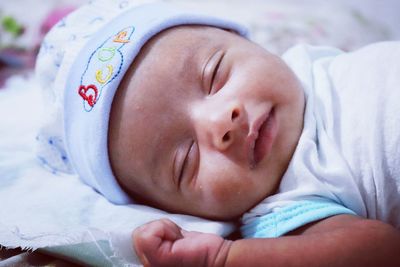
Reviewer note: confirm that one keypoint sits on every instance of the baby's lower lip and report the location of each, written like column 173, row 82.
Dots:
column 266, row 136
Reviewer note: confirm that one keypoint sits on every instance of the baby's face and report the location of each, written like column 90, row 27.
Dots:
column 204, row 123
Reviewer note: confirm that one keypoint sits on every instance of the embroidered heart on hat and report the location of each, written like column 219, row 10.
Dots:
column 89, row 93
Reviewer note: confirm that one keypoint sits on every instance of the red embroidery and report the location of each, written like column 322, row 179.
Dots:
column 88, row 93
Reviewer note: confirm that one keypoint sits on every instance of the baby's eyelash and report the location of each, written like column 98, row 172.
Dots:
column 184, row 163
column 214, row 73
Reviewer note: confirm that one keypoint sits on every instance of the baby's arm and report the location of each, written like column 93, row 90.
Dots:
column 342, row 240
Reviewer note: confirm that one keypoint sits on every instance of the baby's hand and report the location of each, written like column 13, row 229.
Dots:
column 163, row 243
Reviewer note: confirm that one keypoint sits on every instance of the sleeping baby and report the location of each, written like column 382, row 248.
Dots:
column 181, row 111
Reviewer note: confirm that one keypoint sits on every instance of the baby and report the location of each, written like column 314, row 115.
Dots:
column 181, row 111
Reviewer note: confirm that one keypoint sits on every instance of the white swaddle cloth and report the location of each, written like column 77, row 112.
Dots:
column 349, row 150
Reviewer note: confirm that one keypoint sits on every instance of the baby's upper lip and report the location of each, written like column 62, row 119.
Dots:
column 253, row 135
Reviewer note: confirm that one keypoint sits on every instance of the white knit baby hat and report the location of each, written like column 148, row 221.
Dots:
column 80, row 66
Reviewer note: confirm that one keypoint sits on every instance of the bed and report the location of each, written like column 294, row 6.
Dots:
column 40, row 227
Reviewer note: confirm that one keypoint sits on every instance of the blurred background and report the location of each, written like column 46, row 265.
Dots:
column 276, row 24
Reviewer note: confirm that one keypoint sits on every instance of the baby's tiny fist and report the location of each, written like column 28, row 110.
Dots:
column 163, row 243
column 153, row 242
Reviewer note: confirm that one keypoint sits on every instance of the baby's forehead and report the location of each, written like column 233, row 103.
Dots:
column 188, row 39
column 178, row 48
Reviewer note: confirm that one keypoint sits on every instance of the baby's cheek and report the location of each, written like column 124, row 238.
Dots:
column 229, row 196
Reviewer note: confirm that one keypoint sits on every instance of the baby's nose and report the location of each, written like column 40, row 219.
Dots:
column 225, row 125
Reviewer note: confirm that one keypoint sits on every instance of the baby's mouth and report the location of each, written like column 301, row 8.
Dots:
column 261, row 138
